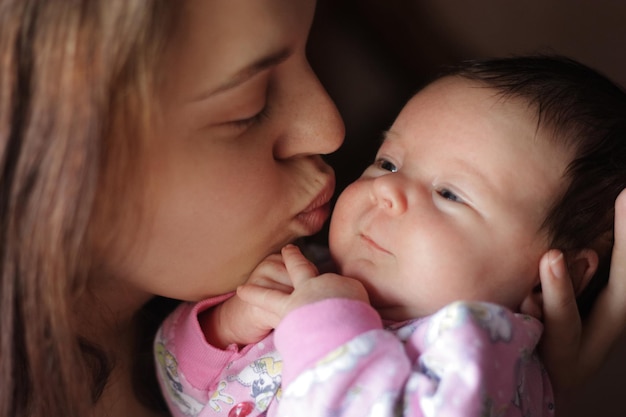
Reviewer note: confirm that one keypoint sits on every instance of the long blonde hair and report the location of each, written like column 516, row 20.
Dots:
column 73, row 73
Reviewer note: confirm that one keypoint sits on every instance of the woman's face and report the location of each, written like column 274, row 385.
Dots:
column 232, row 167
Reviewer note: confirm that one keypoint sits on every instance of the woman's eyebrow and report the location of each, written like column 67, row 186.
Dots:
column 248, row 72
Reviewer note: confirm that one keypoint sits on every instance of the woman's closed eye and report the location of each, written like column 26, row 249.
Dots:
column 248, row 122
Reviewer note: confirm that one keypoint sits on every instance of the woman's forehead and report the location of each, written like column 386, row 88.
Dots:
column 219, row 42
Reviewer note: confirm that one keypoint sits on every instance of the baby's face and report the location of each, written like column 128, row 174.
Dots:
column 453, row 206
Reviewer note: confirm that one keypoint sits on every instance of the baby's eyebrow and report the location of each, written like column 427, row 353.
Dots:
column 387, row 134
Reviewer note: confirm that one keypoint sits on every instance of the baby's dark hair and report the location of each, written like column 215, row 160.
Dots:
column 585, row 112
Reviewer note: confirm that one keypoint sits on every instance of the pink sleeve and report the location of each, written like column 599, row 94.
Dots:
column 338, row 359
column 470, row 359
column 301, row 338
column 188, row 368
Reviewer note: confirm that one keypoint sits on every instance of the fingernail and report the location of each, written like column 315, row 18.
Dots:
column 289, row 247
column 556, row 265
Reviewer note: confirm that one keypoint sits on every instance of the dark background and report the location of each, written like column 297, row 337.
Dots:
column 372, row 55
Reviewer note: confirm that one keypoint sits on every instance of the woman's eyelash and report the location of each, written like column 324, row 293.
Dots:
column 244, row 123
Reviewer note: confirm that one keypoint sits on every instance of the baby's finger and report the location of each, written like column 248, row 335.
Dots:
column 273, row 281
column 268, row 299
column 298, row 266
column 271, row 273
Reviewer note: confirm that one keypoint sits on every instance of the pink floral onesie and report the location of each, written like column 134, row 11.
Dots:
column 336, row 359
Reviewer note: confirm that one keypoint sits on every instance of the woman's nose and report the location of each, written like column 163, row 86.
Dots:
column 313, row 124
column 389, row 195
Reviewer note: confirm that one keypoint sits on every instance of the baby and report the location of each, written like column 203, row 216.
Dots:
column 483, row 172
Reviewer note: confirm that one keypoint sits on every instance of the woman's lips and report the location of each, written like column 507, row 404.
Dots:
column 317, row 212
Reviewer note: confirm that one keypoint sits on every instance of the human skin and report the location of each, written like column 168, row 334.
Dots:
column 573, row 350
column 229, row 173
column 190, row 242
column 586, row 346
column 454, row 204
column 452, row 209
column 566, row 341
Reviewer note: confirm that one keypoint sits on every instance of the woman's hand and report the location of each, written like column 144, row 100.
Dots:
column 572, row 350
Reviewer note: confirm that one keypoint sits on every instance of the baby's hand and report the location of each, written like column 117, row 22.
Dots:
column 309, row 287
column 237, row 321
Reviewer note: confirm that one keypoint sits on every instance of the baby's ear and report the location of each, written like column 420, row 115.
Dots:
column 532, row 304
column 582, row 265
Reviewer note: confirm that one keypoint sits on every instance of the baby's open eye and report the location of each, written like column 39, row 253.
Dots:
column 385, row 164
column 449, row 195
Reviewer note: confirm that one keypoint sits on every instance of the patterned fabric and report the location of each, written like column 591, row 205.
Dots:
column 468, row 359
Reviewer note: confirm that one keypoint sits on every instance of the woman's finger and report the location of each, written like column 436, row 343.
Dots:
column 608, row 317
column 572, row 350
column 617, row 280
column 559, row 299
column 561, row 340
